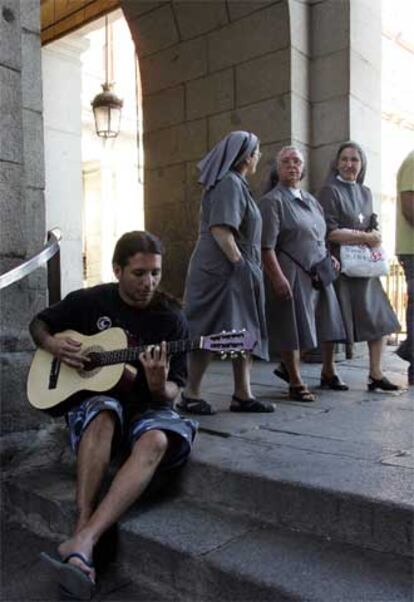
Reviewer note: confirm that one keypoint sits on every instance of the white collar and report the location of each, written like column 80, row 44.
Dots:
column 297, row 193
column 338, row 177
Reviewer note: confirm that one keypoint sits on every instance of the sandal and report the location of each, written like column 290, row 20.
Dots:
column 250, row 405
column 300, row 393
column 281, row 372
column 333, row 382
column 191, row 405
column 71, row 578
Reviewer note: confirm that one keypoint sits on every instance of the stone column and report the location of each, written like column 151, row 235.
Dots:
column 22, row 224
column 345, row 82
column 61, row 79
column 300, row 61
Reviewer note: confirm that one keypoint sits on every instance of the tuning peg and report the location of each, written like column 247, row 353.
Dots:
column 223, row 356
column 243, row 354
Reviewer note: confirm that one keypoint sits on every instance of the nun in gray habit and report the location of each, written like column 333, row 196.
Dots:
column 293, row 241
column 348, row 206
column 224, row 285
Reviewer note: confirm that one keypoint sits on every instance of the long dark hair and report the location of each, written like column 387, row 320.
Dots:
column 137, row 241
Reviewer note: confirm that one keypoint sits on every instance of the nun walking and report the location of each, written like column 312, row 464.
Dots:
column 224, row 285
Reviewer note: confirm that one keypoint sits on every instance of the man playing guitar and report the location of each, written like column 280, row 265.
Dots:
column 144, row 418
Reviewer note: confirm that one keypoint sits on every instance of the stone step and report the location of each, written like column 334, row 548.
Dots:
column 302, row 490
column 192, row 552
column 20, row 552
column 338, row 495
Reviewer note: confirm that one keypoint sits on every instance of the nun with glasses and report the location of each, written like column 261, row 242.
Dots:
column 224, row 285
column 293, row 242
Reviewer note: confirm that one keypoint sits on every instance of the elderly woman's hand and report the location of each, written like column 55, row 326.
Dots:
column 335, row 263
column 374, row 238
column 282, row 288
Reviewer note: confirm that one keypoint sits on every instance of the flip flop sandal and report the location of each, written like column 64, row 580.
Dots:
column 301, row 393
column 281, row 372
column 71, row 579
column 195, row 406
column 66, row 594
column 251, row 405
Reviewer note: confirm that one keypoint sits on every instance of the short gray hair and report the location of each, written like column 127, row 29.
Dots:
column 284, row 149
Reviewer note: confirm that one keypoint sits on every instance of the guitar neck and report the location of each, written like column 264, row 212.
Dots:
column 131, row 354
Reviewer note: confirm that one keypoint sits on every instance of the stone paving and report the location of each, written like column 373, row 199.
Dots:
column 358, row 428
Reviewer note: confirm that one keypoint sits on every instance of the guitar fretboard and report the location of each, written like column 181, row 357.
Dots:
column 131, row 354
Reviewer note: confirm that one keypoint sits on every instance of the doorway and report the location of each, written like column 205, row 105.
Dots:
column 94, row 186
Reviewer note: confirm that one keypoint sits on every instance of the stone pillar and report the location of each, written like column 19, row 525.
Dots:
column 22, row 224
column 345, row 82
column 61, row 79
column 300, row 61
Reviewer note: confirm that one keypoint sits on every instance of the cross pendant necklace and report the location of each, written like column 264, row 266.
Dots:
column 361, row 218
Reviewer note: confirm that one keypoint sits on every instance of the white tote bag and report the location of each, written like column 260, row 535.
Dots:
column 361, row 261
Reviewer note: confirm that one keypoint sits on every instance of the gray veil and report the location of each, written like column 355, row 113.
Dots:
column 230, row 151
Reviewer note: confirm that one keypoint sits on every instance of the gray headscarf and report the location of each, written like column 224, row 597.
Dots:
column 333, row 171
column 229, row 152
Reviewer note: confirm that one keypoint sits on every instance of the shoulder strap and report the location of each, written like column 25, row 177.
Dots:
column 295, row 261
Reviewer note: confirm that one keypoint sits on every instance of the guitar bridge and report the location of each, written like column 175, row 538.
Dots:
column 54, row 373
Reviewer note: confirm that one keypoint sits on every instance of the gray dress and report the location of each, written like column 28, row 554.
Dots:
column 298, row 226
column 218, row 294
column 366, row 310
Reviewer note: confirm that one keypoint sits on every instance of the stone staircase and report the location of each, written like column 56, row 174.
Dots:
column 235, row 526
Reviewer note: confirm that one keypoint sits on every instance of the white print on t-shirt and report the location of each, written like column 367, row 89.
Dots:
column 104, row 322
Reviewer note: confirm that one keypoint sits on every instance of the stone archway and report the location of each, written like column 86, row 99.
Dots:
column 207, row 68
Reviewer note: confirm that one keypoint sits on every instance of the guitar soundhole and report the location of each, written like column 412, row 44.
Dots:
column 88, row 372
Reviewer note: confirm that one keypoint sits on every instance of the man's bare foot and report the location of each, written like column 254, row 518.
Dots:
column 82, row 548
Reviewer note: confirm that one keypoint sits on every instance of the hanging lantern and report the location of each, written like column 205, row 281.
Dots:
column 107, row 105
column 107, row 112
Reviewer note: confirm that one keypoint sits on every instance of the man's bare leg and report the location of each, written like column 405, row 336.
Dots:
column 127, row 486
column 93, row 459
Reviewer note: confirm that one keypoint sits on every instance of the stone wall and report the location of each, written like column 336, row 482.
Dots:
column 22, row 224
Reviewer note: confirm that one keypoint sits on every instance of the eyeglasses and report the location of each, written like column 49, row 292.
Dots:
column 257, row 154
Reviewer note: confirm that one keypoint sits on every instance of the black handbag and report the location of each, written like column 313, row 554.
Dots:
column 322, row 273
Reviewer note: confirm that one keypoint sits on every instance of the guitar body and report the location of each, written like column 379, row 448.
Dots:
column 51, row 382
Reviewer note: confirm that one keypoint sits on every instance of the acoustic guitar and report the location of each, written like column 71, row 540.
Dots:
column 52, row 383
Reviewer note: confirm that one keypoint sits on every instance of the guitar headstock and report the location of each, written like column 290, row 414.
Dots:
column 233, row 343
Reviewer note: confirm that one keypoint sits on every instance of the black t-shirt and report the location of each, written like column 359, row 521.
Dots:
column 92, row 310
